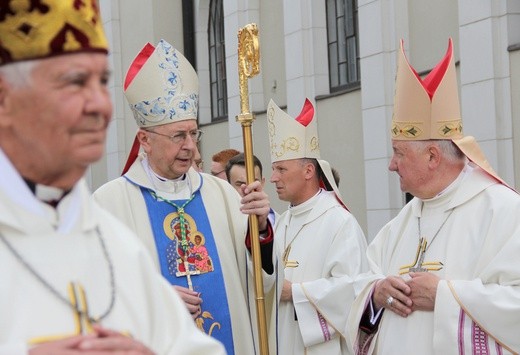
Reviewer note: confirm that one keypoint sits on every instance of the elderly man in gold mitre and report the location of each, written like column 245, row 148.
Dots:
column 74, row 279
column 445, row 276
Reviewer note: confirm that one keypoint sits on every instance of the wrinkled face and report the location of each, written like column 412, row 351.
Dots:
column 410, row 162
column 59, row 119
column 169, row 159
column 289, row 177
column 238, row 177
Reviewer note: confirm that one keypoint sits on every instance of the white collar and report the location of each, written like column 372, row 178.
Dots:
column 16, row 189
column 171, row 189
column 305, row 206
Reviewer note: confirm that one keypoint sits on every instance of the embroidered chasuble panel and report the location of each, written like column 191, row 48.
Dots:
column 188, row 257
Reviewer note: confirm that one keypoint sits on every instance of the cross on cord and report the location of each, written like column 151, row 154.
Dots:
column 418, row 264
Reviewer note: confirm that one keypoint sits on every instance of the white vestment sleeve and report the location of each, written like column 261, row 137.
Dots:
column 313, row 327
column 13, row 349
column 322, row 305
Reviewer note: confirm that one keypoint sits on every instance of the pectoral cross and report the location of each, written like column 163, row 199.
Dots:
column 187, row 273
column 418, row 264
column 289, row 263
column 82, row 323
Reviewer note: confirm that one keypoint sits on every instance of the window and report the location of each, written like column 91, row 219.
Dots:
column 342, row 43
column 217, row 61
column 188, row 25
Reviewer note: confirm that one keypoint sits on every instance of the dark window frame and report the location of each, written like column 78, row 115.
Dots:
column 342, row 39
column 217, row 61
column 188, row 26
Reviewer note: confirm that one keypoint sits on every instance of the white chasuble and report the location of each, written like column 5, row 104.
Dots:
column 472, row 242
column 323, row 249
column 82, row 256
column 225, row 252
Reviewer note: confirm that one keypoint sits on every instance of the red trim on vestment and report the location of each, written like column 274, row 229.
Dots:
column 268, row 238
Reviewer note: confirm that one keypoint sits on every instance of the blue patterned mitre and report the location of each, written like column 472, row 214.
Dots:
column 161, row 86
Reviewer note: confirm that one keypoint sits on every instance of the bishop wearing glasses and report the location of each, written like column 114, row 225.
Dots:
column 191, row 222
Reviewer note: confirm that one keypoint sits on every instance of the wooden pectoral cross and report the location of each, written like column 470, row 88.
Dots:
column 289, row 263
column 82, row 323
column 419, row 265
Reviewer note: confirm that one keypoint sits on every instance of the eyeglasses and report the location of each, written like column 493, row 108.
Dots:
column 180, row 137
column 217, row 173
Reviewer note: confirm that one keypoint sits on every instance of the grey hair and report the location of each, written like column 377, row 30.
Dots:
column 449, row 150
column 304, row 161
column 18, row 74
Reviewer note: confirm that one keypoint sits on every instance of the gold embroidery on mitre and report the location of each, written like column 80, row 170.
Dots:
column 314, row 144
column 450, row 128
column 271, row 128
column 408, row 130
column 41, row 28
column 71, row 43
column 289, row 144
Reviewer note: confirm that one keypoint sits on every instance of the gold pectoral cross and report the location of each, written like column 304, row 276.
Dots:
column 289, row 263
column 419, row 265
column 82, row 323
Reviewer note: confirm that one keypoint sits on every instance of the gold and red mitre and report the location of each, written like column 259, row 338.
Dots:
column 297, row 138
column 426, row 108
column 32, row 29
column 292, row 138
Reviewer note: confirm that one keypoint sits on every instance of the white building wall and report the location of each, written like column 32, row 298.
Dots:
column 485, row 74
column 378, row 35
column 238, row 14
column 129, row 25
column 305, row 42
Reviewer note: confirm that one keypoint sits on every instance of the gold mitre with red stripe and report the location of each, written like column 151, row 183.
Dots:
column 292, row 138
column 32, row 29
column 161, row 86
column 426, row 108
